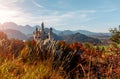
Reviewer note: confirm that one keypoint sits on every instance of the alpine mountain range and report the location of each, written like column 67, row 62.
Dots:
column 26, row 32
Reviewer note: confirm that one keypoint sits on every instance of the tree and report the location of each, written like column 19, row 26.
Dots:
column 115, row 35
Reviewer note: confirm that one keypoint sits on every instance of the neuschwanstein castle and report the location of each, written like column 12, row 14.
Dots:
column 40, row 34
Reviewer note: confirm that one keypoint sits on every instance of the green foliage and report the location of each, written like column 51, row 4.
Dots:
column 115, row 35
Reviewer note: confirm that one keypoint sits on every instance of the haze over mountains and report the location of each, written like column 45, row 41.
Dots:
column 15, row 34
column 25, row 32
column 27, row 29
column 24, row 29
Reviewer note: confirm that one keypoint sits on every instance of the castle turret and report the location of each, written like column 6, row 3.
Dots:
column 36, row 34
column 36, row 29
column 50, row 34
column 42, row 25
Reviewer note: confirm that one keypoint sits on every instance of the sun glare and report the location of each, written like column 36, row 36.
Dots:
column 6, row 15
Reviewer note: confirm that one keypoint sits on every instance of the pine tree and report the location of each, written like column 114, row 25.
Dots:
column 115, row 35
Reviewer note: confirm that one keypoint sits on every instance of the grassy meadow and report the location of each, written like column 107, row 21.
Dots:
column 57, row 60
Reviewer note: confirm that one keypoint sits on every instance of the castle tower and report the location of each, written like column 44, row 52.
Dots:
column 36, row 34
column 43, row 34
column 36, row 29
column 42, row 25
column 50, row 34
column 40, row 34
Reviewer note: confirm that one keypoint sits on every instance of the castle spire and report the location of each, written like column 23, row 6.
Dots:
column 42, row 25
column 50, row 34
column 36, row 28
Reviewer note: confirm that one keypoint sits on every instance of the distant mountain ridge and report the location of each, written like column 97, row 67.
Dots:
column 78, row 37
column 24, row 32
column 24, row 29
column 27, row 29
column 15, row 34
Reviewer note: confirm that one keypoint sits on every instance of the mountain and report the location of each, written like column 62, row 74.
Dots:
column 27, row 32
column 100, row 36
column 66, row 32
column 15, row 34
column 27, row 29
column 85, row 32
column 78, row 37
column 56, row 31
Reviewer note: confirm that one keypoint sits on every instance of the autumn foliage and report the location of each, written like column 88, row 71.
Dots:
column 57, row 60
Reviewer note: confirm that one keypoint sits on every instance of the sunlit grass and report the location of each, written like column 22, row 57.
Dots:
column 57, row 60
column 15, row 69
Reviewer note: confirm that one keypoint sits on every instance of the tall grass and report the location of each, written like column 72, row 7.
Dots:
column 57, row 60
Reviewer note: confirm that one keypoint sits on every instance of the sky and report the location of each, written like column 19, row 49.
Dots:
column 92, row 15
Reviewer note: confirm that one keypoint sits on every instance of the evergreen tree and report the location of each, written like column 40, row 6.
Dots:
column 115, row 35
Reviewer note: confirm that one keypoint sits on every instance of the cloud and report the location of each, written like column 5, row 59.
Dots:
column 68, row 19
column 10, row 2
column 10, row 11
column 35, row 3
